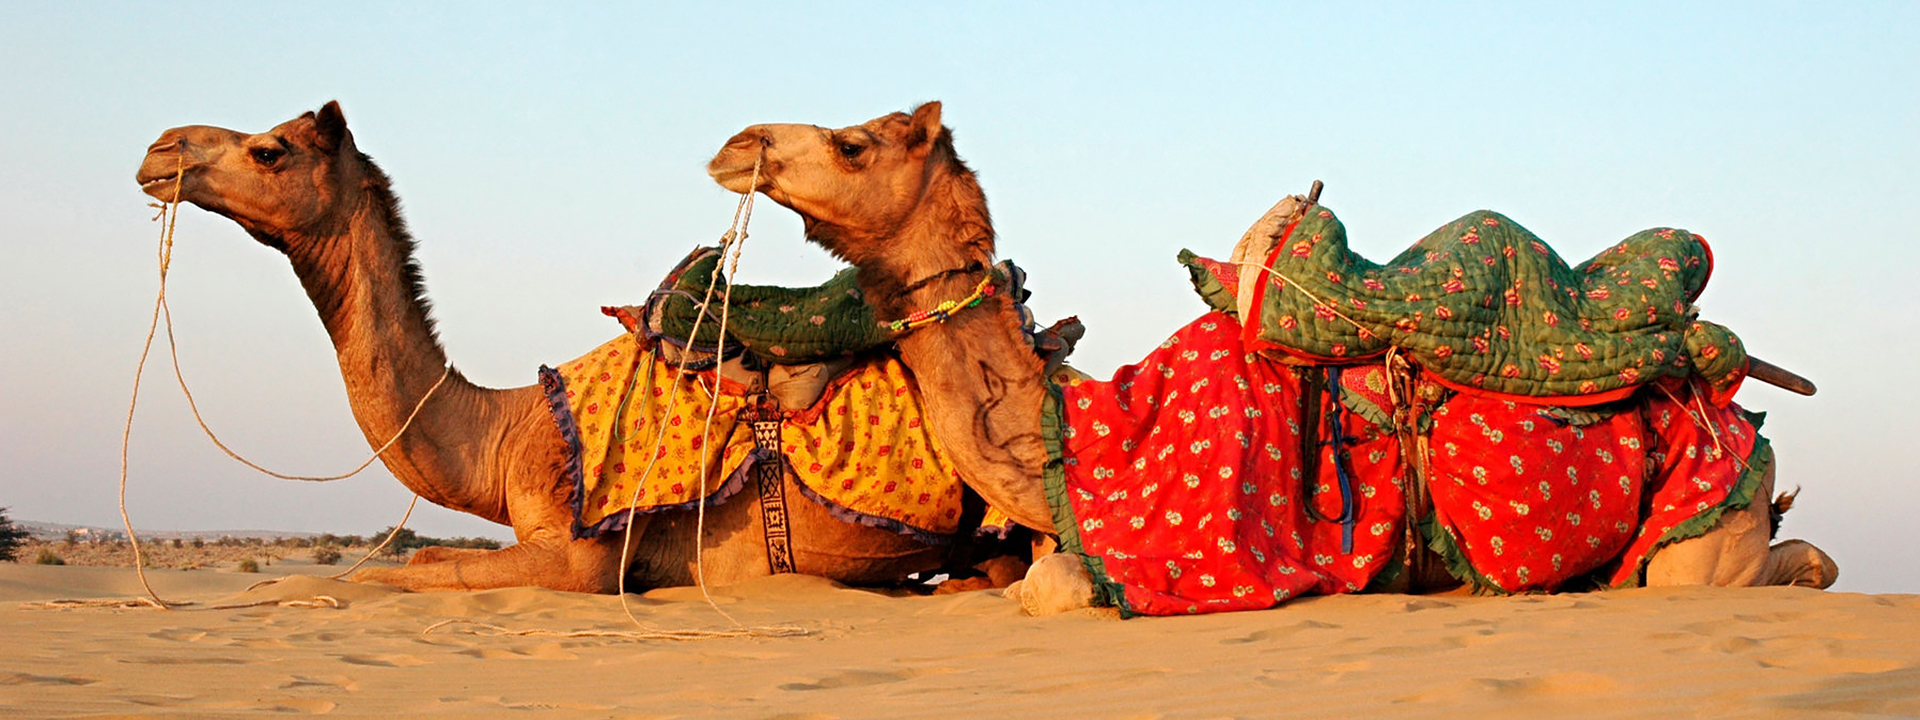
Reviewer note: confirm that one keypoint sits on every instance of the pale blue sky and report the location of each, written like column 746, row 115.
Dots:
column 551, row 161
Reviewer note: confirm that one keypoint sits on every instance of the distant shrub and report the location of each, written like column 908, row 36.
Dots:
column 11, row 536
column 177, row 543
column 199, row 542
column 46, row 557
column 326, row 555
column 248, row 565
column 407, row 540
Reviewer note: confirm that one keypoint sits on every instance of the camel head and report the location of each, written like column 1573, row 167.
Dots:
column 856, row 187
column 280, row 185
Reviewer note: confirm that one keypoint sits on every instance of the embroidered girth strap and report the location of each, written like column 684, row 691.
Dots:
column 771, row 476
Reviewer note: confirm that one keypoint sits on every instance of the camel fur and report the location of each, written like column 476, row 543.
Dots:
column 304, row 189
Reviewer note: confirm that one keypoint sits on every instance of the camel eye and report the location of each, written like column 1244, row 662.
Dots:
column 266, row 155
column 851, row 151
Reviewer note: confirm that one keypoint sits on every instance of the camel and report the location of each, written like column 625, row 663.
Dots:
column 304, row 189
column 893, row 198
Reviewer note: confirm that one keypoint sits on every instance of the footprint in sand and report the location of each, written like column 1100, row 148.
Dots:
column 184, row 661
column 544, row 651
column 852, row 678
column 382, row 660
column 1567, row 683
column 1418, row 604
column 179, row 635
column 311, row 706
column 27, row 679
column 329, row 682
column 1551, row 686
column 1278, row 633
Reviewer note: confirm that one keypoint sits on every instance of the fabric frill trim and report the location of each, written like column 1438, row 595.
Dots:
column 1737, row 499
column 1440, row 539
column 1053, row 430
column 847, row 514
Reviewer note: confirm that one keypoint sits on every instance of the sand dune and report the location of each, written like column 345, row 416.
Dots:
column 1774, row 652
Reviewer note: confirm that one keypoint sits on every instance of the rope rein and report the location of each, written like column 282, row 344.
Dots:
column 730, row 245
column 170, row 213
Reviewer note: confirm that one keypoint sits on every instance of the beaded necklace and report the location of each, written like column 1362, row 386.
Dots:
column 945, row 309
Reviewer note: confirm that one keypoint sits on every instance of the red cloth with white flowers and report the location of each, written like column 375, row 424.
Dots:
column 1182, row 483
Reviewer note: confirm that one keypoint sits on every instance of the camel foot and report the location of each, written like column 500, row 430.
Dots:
column 1003, row 570
column 1798, row 562
column 954, row 587
column 1055, row 584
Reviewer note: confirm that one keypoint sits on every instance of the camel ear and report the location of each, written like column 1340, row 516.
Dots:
column 331, row 126
column 924, row 127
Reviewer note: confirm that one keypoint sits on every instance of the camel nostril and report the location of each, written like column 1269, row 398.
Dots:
column 747, row 139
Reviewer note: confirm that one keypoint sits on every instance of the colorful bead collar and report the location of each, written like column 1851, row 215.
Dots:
column 944, row 310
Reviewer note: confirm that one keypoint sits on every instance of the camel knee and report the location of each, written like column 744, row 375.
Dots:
column 1055, row 584
column 1798, row 562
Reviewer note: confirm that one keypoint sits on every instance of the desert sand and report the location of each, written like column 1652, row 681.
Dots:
column 1692, row 652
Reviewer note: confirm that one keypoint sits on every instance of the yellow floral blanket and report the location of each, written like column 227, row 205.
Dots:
column 863, row 449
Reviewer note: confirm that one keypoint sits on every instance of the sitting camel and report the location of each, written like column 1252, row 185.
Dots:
column 305, row 190
column 891, row 197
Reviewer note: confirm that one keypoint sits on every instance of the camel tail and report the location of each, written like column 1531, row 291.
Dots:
column 1781, row 504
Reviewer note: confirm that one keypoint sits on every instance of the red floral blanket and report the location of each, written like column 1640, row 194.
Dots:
column 1182, row 483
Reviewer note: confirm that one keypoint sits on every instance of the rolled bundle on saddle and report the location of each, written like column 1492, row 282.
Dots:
column 1483, row 305
column 806, row 332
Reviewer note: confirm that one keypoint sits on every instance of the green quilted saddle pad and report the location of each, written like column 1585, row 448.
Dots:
column 1487, row 305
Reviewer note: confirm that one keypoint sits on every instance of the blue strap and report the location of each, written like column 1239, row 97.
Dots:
column 1349, row 505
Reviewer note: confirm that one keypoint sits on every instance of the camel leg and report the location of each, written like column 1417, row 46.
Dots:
column 1735, row 553
column 548, row 560
column 1055, row 584
column 1798, row 562
column 546, row 556
column 1732, row 554
column 436, row 553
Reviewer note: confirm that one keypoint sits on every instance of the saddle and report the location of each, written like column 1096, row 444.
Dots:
column 807, row 389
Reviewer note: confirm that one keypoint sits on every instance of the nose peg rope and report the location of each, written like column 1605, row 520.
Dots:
column 169, row 212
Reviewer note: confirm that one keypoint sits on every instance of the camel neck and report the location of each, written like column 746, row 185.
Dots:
column 980, row 380
column 938, row 253
column 361, row 278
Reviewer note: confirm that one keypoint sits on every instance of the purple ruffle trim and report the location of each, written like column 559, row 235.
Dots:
column 736, row 481
column 846, row 514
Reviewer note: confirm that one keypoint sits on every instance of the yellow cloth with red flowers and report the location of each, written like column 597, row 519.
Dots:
column 863, row 449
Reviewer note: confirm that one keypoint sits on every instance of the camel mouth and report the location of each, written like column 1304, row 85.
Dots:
column 737, row 179
column 159, row 187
